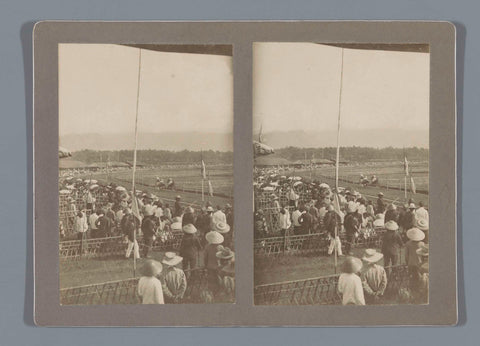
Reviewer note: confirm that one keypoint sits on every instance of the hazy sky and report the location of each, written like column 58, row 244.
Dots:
column 296, row 87
column 179, row 92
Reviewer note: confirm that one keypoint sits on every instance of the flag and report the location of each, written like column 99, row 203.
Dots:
column 414, row 189
column 135, row 210
column 405, row 166
column 336, row 205
column 204, row 171
column 210, row 188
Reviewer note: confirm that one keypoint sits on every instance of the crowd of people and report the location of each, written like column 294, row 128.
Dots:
column 205, row 234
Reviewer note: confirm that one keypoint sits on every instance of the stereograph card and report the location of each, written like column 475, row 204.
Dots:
column 296, row 173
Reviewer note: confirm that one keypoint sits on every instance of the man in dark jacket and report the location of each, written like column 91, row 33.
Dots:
column 104, row 226
column 351, row 227
column 391, row 244
column 148, row 230
column 306, row 220
column 381, row 205
column 391, row 214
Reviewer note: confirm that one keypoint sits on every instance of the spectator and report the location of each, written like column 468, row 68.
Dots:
column 149, row 287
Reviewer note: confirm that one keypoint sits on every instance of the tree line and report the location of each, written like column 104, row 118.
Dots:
column 354, row 153
column 154, row 157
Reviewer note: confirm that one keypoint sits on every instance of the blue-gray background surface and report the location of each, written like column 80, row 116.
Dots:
column 16, row 23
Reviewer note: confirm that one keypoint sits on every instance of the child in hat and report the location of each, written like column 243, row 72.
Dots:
column 349, row 283
column 173, row 278
column 214, row 239
column 391, row 243
column 149, row 287
column 414, row 243
column 226, row 272
column 374, row 278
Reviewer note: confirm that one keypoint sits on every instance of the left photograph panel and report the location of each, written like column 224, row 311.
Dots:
column 145, row 174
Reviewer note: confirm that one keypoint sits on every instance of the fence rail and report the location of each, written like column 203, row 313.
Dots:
column 125, row 291
column 308, row 244
column 322, row 290
column 113, row 246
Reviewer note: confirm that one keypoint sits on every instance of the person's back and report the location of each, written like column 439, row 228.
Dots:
column 411, row 256
column 150, row 290
column 210, row 258
column 351, row 289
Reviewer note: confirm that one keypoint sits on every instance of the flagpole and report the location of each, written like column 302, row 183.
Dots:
column 338, row 159
column 134, row 196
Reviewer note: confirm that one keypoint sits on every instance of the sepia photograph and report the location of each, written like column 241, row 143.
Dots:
column 145, row 174
column 341, row 173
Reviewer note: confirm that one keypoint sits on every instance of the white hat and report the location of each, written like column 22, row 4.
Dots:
column 94, row 186
column 412, row 206
column 176, row 226
column 189, row 229
column 221, row 227
column 171, row 259
column 379, row 223
column 209, row 208
column 391, row 226
column 415, row 234
column 422, row 224
column 372, row 256
column 213, row 237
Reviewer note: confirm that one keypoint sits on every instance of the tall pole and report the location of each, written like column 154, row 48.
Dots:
column 338, row 159
column 134, row 196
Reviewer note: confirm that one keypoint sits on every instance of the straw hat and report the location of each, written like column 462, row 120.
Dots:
column 221, row 227
column 209, row 208
column 379, row 223
column 372, row 256
column 225, row 253
column 189, row 210
column 415, row 234
column 176, row 226
column 412, row 206
column 213, row 237
column 151, row 268
column 423, row 250
column 189, row 229
column 422, row 224
column 392, row 207
column 380, row 194
column 171, row 259
column 391, row 226
column 352, row 265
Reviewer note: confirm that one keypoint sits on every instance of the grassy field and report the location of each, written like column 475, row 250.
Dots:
column 185, row 178
column 385, row 172
column 298, row 267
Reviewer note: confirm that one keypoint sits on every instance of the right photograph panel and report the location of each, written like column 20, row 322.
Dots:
column 341, row 173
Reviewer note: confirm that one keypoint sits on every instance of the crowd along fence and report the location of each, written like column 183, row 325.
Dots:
column 323, row 290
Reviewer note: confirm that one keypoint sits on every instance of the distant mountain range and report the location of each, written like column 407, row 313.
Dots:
column 378, row 138
column 159, row 141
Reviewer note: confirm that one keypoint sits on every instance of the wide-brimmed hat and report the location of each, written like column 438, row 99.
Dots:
column 92, row 187
column 380, row 194
column 189, row 210
column 412, row 206
column 352, row 265
column 189, row 229
column 151, row 268
column 391, row 225
column 209, row 208
column 415, row 234
column 171, row 259
column 176, row 226
column 224, row 253
column 372, row 256
column 423, row 250
column 379, row 223
column 422, row 224
column 178, row 197
column 221, row 227
column 213, row 237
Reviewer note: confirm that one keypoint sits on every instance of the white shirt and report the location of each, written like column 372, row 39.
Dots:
column 421, row 213
column 158, row 212
column 148, row 209
column 92, row 219
column 81, row 224
column 219, row 216
column 150, row 289
column 350, row 286
column 295, row 216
